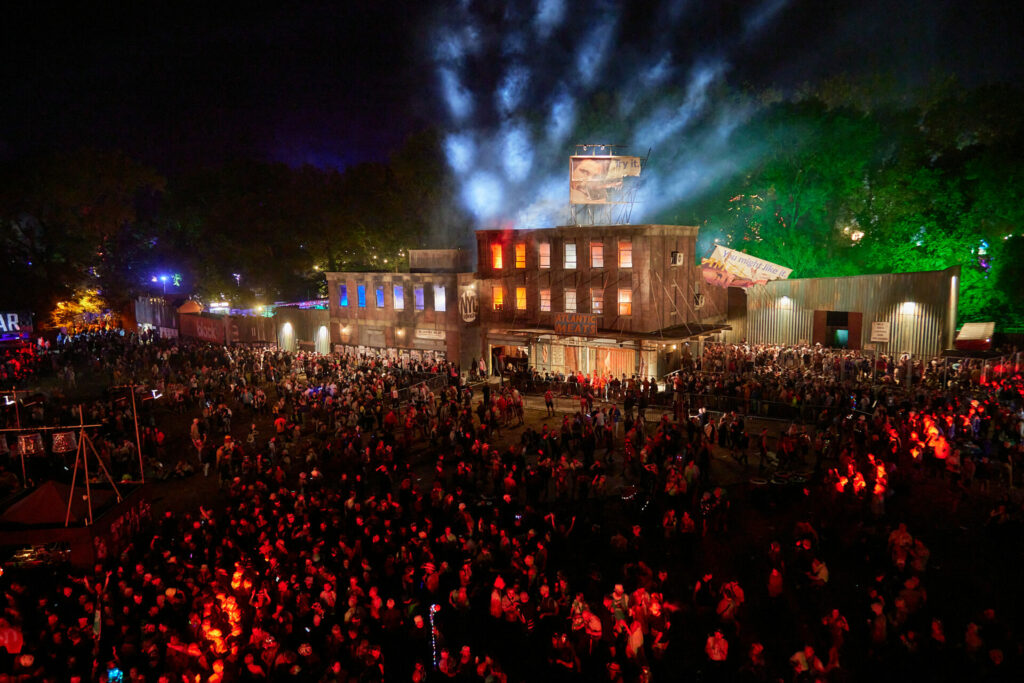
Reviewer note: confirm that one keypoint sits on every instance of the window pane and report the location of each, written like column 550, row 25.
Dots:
column 496, row 256
column 380, row 297
column 520, row 298
column 545, row 255
column 625, row 302
column 597, row 301
column 343, row 295
column 625, row 254
column 597, row 255
column 417, row 298
column 521, row 255
column 440, row 305
column 498, row 298
column 399, row 298
column 361, row 295
column 570, row 301
column 570, row 255
column 545, row 300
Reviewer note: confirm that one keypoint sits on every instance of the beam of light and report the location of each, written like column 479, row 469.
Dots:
column 561, row 116
column 459, row 100
column 548, row 17
column 593, row 51
column 483, row 194
column 513, row 44
column 512, row 88
column 762, row 15
column 460, row 150
column 674, row 10
column 516, row 152
column 656, row 74
column 449, row 48
column 547, row 207
column 667, row 121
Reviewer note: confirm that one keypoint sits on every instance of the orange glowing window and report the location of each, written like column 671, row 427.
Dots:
column 498, row 298
column 625, row 254
column 520, row 298
column 496, row 256
column 625, row 302
column 521, row 255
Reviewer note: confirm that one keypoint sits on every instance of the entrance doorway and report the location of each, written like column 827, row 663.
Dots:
column 838, row 329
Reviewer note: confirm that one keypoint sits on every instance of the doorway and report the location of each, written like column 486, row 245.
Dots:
column 838, row 329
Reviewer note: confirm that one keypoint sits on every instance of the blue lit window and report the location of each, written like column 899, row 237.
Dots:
column 440, row 304
column 343, row 295
column 417, row 296
column 380, row 297
column 361, row 295
column 399, row 298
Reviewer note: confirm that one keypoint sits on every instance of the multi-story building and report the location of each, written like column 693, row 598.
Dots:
column 411, row 314
column 610, row 299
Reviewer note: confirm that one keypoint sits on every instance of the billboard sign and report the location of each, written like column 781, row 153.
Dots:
column 597, row 179
column 576, row 324
column 15, row 326
column 731, row 268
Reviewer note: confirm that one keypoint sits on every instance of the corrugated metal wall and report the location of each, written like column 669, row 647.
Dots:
column 920, row 307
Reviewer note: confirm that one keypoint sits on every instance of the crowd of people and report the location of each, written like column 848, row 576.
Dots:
column 383, row 521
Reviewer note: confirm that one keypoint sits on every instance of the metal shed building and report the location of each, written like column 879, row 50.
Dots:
column 893, row 313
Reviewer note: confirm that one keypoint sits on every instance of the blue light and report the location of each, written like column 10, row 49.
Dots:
column 512, row 87
column 517, row 154
column 460, row 102
column 483, row 194
column 461, row 152
column 550, row 14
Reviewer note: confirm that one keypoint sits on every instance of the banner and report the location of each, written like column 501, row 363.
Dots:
column 595, row 179
column 576, row 324
column 731, row 268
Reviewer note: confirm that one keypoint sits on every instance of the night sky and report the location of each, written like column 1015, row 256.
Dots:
column 332, row 83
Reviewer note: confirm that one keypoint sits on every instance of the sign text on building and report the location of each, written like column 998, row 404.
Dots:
column 581, row 324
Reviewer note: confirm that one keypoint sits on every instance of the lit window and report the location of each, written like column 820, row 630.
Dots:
column 545, row 254
column 361, row 295
column 417, row 298
column 440, row 304
column 597, row 254
column 343, row 295
column 521, row 255
column 625, row 302
column 379, row 295
column 545, row 300
column 498, row 298
column 597, row 301
column 496, row 256
column 570, row 255
column 625, row 253
column 520, row 298
column 399, row 298
column 570, row 301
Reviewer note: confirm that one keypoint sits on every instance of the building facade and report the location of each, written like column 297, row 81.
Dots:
column 893, row 313
column 413, row 315
column 612, row 299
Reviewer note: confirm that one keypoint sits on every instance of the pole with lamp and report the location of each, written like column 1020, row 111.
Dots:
column 17, row 423
column 154, row 394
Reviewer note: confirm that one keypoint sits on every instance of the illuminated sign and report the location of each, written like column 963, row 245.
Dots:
column 576, row 324
column 15, row 325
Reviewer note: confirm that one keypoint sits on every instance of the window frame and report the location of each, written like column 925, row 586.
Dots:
column 545, row 301
column 599, row 261
column 361, row 295
column 565, row 300
column 398, row 297
column 628, row 243
column 544, row 255
column 627, row 302
column 497, row 257
column 520, row 255
column 565, row 256
column 443, row 298
column 497, row 298
column 378, row 296
column 597, row 297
